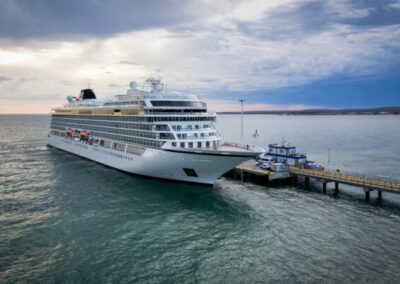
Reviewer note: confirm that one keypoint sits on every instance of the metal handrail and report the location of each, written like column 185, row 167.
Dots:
column 347, row 178
column 180, row 113
column 194, row 129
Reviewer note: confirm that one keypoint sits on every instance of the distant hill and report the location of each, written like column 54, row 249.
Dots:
column 367, row 111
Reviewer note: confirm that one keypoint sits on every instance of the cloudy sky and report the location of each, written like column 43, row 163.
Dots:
column 277, row 54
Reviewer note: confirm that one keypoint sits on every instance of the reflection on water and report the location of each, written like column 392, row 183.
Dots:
column 67, row 219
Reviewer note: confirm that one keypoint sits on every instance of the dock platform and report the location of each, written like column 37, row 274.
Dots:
column 249, row 171
column 250, row 167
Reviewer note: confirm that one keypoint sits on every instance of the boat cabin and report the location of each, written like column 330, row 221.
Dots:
column 283, row 153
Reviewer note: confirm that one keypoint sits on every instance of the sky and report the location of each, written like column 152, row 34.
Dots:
column 275, row 54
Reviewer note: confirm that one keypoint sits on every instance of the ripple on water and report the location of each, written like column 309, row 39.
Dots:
column 66, row 219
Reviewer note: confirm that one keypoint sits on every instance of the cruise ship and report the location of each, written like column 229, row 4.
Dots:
column 148, row 132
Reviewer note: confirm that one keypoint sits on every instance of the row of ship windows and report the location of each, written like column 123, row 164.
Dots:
column 282, row 151
column 168, row 136
column 196, row 135
column 188, row 127
column 151, row 135
column 105, row 117
column 123, row 103
column 136, row 118
column 178, row 104
column 196, row 118
column 198, row 144
column 105, row 144
column 130, row 139
column 148, row 127
column 164, row 136
column 135, row 126
column 207, row 144
column 121, row 128
column 118, row 137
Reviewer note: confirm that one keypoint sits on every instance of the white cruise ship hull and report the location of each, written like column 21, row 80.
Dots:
column 158, row 163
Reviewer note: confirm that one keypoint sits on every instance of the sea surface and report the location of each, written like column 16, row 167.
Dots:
column 64, row 219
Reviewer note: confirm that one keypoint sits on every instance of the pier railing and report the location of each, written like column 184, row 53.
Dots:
column 366, row 182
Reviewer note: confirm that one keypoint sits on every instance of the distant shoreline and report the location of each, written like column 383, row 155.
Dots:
column 368, row 111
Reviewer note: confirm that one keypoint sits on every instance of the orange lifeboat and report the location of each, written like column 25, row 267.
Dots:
column 69, row 130
column 77, row 132
column 84, row 133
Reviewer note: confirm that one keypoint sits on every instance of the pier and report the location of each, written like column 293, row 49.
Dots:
column 366, row 183
column 250, row 168
column 249, row 171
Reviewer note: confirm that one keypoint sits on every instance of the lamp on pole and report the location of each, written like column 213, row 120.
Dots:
column 329, row 157
column 241, row 120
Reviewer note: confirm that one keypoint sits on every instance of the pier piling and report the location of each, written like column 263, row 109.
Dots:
column 368, row 184
column 336, row 187
column 366, row 194
column 250, row 172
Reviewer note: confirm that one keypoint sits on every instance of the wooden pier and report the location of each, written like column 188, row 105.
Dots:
column 249, row 171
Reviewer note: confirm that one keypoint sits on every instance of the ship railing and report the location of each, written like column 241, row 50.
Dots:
column 297, row 155
column 294, row 155
column 180, row 113
column 193, row 129
column 350, row 177
column 198, row 137
column 242, row 146
column 159, row 96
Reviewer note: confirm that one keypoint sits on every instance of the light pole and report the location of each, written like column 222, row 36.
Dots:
column 329, row 157
column 241, row 120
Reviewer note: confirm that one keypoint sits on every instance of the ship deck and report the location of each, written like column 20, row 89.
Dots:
column 231, row 148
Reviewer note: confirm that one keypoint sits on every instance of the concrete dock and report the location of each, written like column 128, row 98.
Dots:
column 249, row 171
column 250, row 167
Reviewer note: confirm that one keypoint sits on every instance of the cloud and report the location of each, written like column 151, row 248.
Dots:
column 395, row 5
column 128, row 62
column 4, row 79
column 307, row 18
column 228, row 107
column 59, row 19
column 220, row 50
column 114, row 85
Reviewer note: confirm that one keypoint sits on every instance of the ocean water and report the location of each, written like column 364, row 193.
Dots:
column 67, row 219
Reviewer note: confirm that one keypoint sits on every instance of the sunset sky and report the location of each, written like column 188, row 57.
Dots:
column 276, row 54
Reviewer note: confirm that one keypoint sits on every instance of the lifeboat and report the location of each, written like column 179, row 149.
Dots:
column 69, row 130
column 77, row 132
column 84, row 133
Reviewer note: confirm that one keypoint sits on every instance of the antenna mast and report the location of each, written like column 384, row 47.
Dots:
column 241, row 120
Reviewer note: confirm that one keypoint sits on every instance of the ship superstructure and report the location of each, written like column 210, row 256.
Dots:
column 151, row 133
